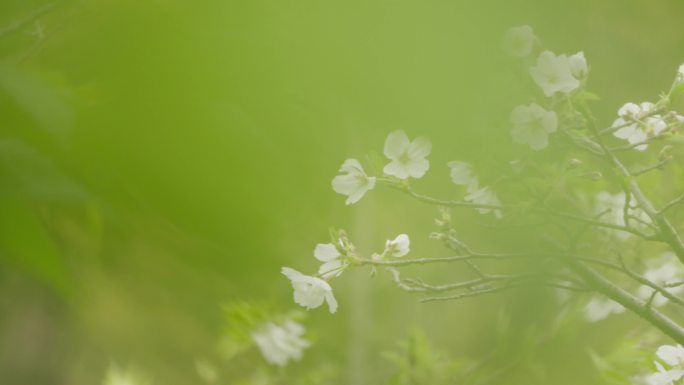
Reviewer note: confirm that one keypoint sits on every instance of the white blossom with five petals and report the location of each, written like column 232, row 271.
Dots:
column 532, row 125
column 355, row 183
column 557, row 73
column 407, row 157
column 310, row 292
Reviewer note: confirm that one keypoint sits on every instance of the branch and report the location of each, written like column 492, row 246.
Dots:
column 637, row 306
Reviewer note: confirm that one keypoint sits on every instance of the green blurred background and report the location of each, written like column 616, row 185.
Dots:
column 160, row 158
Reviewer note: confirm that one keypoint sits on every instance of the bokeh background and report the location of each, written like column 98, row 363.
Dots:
column 161, row 158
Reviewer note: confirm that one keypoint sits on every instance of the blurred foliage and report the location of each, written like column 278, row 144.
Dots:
column 160, row 158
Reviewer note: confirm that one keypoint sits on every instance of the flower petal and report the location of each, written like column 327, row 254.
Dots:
column 419, row 148
column 325, row 252
column 396, row 169
column 417, row 169
column 396, row 144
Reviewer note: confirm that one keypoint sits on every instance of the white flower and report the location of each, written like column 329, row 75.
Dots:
column 672, row 355
column 663, row 376
column 355, row 183
column 578, row 65
column 484, row 196
column 554, row 73
column 632, row 133
column 666, row 270
column 117, row 376
column 310, row 292
column 462, row 174
column 398, row 247
column 532, row 125
column 281, row 343
column 332, row 264
column 680, row 74
column 611, row 206
column 519, row 41
column 599, row 308
column 407, row 158
column 635, row 125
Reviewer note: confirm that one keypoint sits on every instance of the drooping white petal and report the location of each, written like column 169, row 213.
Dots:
column 325, row 252
column 332, row 302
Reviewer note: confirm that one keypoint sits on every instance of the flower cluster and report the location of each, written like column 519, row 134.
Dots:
column 636, row 123
column 532, row 124
column 280, row 343
column 407, row 159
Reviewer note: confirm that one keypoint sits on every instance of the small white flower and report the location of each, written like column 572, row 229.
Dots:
column 672, row 355
column 532, row 125
column 355, row 183
column 612, row 208
column 281, row 343
column 332, row 264
column 310, row 292
column 666, row 269
column 484, row 196
column 398, row 247
column 554, row 73
column 599, row 308
column 462, row 174
column 519, row 41
column 407, row 157
column 635, row 125
column 631, row 132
